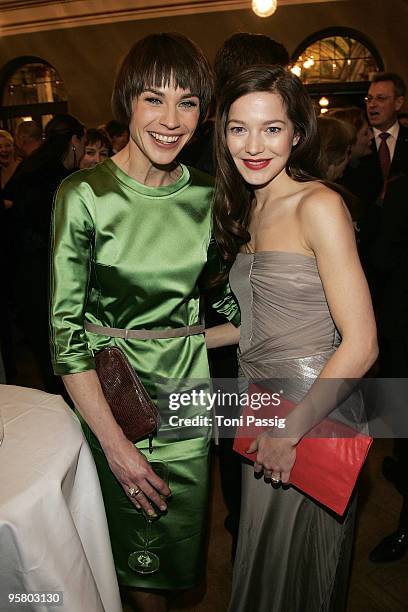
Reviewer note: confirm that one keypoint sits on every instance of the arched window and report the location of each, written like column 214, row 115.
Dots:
column 336, row 63
column 336, row 55
column 30, row 88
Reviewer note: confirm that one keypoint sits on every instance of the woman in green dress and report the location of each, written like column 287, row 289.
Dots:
column 131, row 239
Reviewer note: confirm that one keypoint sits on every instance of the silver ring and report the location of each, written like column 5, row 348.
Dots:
column 275, row 479
column 134, row 491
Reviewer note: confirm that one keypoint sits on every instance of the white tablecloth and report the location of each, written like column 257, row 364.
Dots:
column 53, row 530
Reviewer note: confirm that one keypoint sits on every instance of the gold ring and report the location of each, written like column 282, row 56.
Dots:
column 134, row 491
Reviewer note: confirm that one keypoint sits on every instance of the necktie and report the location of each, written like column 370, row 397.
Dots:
column 384, row 155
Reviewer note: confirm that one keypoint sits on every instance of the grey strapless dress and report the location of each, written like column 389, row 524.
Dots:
column 293, row 555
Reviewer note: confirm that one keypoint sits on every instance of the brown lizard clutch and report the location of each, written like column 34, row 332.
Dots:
column 128, row 400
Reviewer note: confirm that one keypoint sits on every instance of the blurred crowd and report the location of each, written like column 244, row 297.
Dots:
column 32, row 166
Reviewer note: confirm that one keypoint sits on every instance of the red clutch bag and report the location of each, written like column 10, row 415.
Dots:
column 328, row 460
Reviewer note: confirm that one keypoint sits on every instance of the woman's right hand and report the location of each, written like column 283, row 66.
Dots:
column 127, row 463
column 133, row 471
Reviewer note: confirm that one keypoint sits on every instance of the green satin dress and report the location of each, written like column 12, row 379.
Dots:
column 129, row 256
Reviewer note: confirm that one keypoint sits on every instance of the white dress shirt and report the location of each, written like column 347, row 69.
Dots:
column 391, row 141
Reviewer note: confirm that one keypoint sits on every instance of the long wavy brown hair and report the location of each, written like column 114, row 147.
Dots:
column 233, row 196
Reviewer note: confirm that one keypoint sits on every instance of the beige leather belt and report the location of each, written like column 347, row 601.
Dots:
column 144, row 334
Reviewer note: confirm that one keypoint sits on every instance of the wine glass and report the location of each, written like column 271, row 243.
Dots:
column 143, row 560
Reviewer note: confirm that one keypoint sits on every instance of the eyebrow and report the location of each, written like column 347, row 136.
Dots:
column 264, row 122
column 160, row 94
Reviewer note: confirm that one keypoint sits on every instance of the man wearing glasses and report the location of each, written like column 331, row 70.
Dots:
column 384, row 100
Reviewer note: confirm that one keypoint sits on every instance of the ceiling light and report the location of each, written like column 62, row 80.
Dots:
column 264, row 8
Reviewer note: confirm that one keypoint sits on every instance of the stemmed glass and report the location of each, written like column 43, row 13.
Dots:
column 143, row 560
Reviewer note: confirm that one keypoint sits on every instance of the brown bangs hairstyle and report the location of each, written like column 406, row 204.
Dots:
column 159, row 60
column 233, row 196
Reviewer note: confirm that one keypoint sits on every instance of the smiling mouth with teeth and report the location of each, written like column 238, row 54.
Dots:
column 164, row 139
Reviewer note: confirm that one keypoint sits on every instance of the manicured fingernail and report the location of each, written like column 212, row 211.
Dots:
column 163, row 508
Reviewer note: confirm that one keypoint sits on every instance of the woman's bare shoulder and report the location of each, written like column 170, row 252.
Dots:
column 324, row 218
column 318, row 200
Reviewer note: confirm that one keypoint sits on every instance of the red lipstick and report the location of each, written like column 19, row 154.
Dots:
column 256, row 164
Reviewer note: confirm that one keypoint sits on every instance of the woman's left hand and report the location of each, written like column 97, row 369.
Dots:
column 275, row 456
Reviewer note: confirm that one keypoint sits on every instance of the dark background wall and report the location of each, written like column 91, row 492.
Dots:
column 86, row 57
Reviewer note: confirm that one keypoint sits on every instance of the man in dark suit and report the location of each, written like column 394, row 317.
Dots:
column 384, row 243
column 389, row 156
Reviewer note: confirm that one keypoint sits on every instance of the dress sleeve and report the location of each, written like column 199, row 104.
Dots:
column 221, row 299
column 72, row 238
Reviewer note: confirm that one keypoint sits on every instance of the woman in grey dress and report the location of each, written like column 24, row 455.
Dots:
column 306, row 318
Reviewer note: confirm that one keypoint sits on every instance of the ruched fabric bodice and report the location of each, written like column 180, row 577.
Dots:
column 284, row 311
